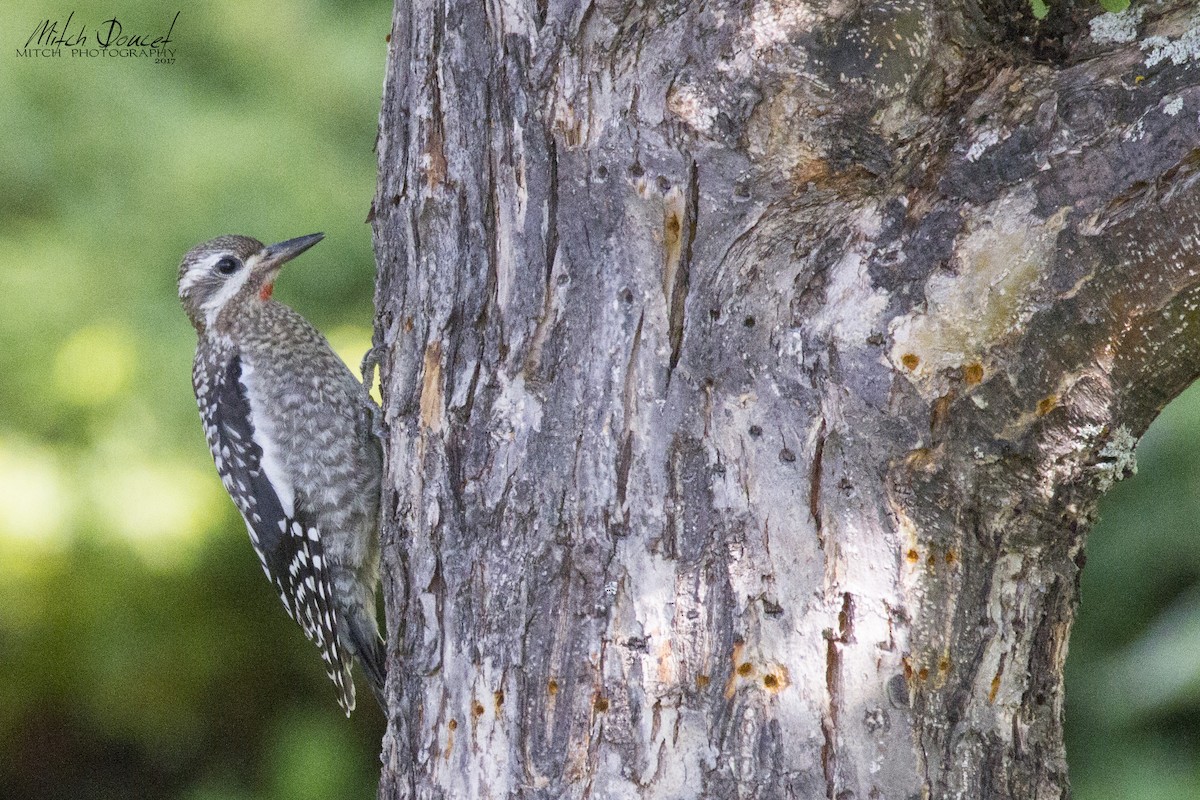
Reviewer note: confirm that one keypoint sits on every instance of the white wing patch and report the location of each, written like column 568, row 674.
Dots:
column 271, row 462
column 285, row 537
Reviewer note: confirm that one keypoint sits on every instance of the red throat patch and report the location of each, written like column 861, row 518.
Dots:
column 265, row 292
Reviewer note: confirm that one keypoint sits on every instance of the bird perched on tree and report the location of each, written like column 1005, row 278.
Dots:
column 290, row 430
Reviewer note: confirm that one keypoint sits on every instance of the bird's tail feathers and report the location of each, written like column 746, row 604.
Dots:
column 369, row 648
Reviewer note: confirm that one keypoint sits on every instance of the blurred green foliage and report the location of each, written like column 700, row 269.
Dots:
column 142, row 652
column 1041, row 9
column 1133, row 674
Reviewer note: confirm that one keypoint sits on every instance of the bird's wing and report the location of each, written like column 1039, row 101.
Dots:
column 284, row 534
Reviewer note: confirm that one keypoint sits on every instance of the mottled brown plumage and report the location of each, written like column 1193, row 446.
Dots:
column 290, row 430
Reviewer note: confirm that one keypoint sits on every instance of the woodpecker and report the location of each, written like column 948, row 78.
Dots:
column 291, row 432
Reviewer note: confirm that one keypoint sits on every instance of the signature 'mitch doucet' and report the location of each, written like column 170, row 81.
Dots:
column 290, row 429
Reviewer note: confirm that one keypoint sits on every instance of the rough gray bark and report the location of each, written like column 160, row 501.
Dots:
column 752, row 371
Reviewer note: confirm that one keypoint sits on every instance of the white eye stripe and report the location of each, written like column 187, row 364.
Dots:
column 199, row 271
column 231, row 286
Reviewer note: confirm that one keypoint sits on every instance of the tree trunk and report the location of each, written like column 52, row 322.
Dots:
column 752, row 372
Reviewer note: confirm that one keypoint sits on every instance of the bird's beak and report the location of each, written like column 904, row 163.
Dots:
column 280, row 253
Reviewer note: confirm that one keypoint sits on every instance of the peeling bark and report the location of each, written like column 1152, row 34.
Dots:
column 752, row 372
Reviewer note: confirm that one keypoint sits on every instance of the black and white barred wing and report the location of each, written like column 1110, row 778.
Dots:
column 284, row 536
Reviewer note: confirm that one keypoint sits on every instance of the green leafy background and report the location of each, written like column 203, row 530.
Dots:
column 1042, row 8
column 142, row 653
column 1133, row 673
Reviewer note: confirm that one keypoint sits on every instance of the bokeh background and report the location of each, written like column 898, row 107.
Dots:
column 1133, row 671
column 142, row 653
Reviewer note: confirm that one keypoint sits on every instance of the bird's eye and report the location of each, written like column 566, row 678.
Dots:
column 228, row 265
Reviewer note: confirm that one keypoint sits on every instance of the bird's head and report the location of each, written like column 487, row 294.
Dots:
column 230, row 271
